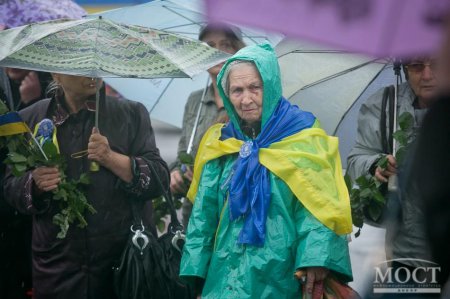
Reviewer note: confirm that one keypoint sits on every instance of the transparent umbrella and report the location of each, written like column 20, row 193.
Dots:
column 183, row 18
column 331, row 84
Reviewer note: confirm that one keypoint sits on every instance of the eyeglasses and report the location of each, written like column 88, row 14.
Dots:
column 418, row 67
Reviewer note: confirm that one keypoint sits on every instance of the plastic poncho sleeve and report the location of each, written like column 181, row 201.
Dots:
column 202, row 224
column 318, row 246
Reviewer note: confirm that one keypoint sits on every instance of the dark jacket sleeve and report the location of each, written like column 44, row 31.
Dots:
column 18, row 191
column 143, row 153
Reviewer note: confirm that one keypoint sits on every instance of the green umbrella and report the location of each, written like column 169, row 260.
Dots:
column 102, row 48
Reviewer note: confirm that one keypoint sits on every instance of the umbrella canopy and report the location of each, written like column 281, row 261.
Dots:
column 331, row 84
column 180, row 17
column 378, row 27
column 325, row 82
column 15, row 13
column 102, row 48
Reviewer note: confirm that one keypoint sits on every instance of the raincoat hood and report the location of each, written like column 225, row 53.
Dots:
column 265, row 60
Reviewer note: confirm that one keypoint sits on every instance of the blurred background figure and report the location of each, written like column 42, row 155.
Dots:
column 209, row 110
column 14, row 13
column 405, row 234
column 26, row 87
column 430, row 169
column 19, row 89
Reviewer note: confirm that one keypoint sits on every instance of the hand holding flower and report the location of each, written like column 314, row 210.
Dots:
column 46, row 178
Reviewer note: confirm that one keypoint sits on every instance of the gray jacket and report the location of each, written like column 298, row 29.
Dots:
column 368, row 145
column 208, row 117
column 408, row 239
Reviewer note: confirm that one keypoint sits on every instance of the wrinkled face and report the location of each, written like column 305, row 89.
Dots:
column 219, row 41
column 422, row 79
column 246, row 92
column 76, row 86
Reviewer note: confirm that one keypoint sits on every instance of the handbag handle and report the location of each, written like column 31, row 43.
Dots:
column 168, row 197
column 135, row 208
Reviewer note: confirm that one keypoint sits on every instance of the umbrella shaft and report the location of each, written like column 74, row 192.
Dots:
column 197, row 118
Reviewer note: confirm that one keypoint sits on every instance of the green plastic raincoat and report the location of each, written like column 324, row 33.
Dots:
column 294, row 238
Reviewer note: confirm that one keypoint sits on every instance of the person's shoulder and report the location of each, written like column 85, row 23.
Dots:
column 375, row 100
column 36, row 111
column 378, row 94
column 195, row 96
column 124, row 104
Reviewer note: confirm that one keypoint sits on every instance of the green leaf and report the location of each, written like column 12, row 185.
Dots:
column 365, row 193
column 374, row 212
column 17, row 158
column 84, row 179
column 60, row 193
column 3, row 108
column 406, row 121
column 383, row 162
column 401, row 137
column 378, row 197
column 186, row 158
column 50, row 149
column 160, row 225
column 19, row 169
column 63, row 223
column 31, row 161
column 348, row 182
column 363, row 182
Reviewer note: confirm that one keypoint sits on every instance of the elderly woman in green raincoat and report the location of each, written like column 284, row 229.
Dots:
column 268, row 192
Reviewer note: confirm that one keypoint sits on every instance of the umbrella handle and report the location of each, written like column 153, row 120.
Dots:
column 94, row 166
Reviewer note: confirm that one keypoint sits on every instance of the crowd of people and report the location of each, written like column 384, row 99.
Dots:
column 265, row 197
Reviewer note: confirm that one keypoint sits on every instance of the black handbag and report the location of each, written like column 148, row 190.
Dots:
column 149, row 266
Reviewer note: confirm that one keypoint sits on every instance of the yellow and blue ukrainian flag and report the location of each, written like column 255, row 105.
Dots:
column 11, row 123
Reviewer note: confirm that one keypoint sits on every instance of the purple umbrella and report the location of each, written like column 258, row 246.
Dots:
column 15, row 13
column 376, row 27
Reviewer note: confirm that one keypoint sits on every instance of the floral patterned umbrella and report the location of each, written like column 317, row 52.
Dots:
column 15, row 13
column 102, row 48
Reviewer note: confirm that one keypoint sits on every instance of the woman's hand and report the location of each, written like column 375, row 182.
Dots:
column 117, row 163
column 46, row 178
column 383, row 175
column 315, row 275
column 177, row 180
column 98, row 148
column 30, row 88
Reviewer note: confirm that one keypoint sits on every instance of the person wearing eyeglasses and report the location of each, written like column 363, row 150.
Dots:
column 407, row 240
column 414, row 96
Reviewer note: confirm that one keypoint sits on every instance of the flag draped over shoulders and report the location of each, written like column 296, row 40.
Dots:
column 307, row 161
